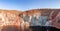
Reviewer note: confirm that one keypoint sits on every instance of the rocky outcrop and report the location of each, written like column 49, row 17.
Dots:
column 56, row 21
column 9, row 18
column 47, row 13
column 22, row 20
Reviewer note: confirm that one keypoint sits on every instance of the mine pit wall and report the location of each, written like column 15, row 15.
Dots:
column 12, row 21
column 9, row 19
column 50, row 13
column 56, row 21
column 23, row 20
column 30, row 15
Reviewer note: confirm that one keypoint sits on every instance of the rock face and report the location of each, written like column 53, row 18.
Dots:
column 20, row 21
column 39, row 17
column 56, row 21
column 9, row 19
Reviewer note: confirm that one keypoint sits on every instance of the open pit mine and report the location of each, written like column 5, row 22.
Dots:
column 13, row 20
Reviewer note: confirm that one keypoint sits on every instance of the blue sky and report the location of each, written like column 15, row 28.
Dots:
column 28, row 4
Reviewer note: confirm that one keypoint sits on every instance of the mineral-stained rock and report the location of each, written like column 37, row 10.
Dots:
column 10, row 19
column 42, row 13
column 21, row 21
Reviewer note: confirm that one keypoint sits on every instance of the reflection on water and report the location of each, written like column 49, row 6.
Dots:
column 31, row 28
column 10, row 29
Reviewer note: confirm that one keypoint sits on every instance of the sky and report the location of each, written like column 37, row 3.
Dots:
column 28, row 4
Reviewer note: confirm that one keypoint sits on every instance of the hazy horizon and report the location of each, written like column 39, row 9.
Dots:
column 28, row 4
